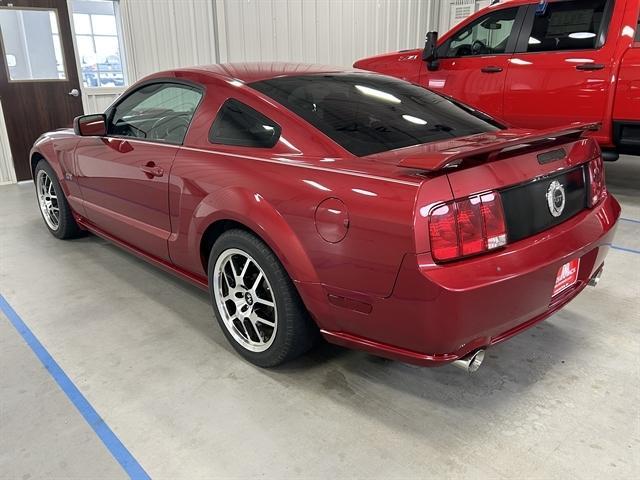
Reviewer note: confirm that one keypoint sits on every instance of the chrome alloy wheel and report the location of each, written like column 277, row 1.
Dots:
column 48, row 200
column 245, row 300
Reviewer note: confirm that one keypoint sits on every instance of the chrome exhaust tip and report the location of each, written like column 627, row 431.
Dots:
column 471, row 363
column 593, row 281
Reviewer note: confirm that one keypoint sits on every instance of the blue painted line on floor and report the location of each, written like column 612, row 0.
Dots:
column 630, row 220
column 625, row 249
column 109, row 439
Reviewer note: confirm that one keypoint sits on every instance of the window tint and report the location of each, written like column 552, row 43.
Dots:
column 368, row 114
column 638, row 31
column 160, row 111
column 486, row 36
column 241, row 125
column 573, row 25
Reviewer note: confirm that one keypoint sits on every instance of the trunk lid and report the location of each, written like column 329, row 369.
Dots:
column 481, row 148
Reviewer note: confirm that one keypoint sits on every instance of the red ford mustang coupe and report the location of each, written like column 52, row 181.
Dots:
column 305, row 198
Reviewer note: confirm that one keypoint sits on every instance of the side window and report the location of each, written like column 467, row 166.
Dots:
column 159, row 111
column 488, row 35
column 638, row 30
column 240, row 125
column 572, row 25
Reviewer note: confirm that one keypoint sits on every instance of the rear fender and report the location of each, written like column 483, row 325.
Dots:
column 253, row 211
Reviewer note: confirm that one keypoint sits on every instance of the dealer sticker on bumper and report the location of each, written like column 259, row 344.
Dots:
column 567, row 276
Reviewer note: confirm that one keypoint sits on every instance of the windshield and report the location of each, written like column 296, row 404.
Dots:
column 367, row 114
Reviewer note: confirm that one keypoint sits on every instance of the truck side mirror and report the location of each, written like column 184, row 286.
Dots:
column 430, row 52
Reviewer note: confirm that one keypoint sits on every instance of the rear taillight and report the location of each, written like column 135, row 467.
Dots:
column 597, row 187
column 467, row 227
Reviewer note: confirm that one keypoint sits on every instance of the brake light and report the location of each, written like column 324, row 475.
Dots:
column 597, row 186
column 467, row 227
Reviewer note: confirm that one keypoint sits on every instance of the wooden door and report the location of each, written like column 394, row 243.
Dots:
column 39, row 86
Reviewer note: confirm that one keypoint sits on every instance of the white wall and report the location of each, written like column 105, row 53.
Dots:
column 7, row 173
column 164, row 34
column 335, row 32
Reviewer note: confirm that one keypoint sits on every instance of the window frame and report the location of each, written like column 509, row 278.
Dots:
column 110, row 112
column 521, row 12
column 276, row 125
column 123, row 54
column 527, row 29
column 65, row 65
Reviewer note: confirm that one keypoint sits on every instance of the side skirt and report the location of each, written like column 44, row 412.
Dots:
column 196, row 280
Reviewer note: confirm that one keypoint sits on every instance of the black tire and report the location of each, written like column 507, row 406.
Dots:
column 67, row 227
column 296, row 332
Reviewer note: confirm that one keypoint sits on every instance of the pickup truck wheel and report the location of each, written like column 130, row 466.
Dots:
column 255, row 301
column 55, row 209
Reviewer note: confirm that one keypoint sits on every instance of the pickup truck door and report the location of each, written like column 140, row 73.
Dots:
column 124, row 176
column 562, row 69
column 474, row 58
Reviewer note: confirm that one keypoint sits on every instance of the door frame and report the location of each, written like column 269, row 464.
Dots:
column 87, row 92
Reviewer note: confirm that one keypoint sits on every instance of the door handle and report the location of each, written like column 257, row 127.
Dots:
column 491, row 69
column 590, row 67
column 152, row 170
column 74, row 92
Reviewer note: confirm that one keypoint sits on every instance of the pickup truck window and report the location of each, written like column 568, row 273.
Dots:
column 572, row 25
column 368, row 114
column 486, row 36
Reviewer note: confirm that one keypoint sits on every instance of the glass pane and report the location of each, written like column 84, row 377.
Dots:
column 81, row 23
column 88, row 60
column 239, row 124
column 109, row 66
column 98, row 43
column 30, row 39
column 159, row 112
column 53, row 21
column 368, row 114
column 104, row 24
column 487, row 36
column 573, row 25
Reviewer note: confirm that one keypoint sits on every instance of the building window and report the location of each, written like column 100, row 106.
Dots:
column 31, row 41
column 98, row 41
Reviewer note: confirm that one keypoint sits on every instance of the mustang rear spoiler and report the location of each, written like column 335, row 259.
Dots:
column 454, row 152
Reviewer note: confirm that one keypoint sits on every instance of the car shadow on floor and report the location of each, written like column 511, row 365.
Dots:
column 356, row 379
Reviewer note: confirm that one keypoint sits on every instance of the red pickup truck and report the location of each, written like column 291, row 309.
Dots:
column 538, row 64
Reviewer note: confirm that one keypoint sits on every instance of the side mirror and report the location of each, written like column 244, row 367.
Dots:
column 430, row 52
column 90, row 125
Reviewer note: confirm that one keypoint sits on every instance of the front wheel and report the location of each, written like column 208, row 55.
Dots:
column 55, row 209
column 255, row 301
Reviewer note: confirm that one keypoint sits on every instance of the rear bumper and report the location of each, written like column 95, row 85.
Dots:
column 441, row 313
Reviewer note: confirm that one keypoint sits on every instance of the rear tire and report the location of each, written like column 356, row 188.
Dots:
column 54, row 208
column 255, row 301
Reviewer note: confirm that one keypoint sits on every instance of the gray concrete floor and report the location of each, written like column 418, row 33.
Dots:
column 560, row 401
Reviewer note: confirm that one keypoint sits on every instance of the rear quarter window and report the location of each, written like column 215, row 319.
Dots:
column 240, row 125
